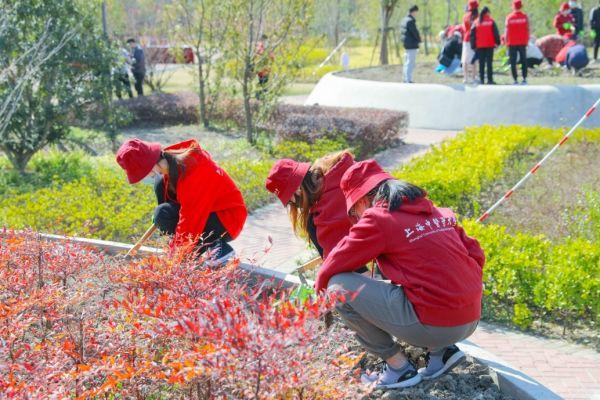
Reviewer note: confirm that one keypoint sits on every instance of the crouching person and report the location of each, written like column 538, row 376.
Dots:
column 433, row 296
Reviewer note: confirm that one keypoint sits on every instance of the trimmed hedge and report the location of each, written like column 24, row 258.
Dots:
column 367, row 130
column 162, row 109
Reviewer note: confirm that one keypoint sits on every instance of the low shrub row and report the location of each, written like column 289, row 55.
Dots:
column 367, row 130
column 77, row 324
column 529, row 278
column 162, row 109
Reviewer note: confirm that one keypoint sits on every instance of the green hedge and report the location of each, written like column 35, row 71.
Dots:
column 526, row 277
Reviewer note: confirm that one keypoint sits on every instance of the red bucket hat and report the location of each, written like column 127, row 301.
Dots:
column 360, row 179
column 517, row 4
column 473, row 4
column 137, row 158
column 565, row 7
column 285, row 178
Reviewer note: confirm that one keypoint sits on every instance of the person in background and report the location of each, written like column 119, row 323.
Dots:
column 410, row 39
column 263, row 65
column 198, row 203
column 485, row 37
column 534, row 54
column 550, row 46
column 449, row 57
column 432, row 297
column 517, row 37
column 138, row 66
column 577, row 58
column 595, row 29
column 564, row 21
column 578, row 20
column 468, row 54
column 122, row 74
column 345, row 60
column 561, row 57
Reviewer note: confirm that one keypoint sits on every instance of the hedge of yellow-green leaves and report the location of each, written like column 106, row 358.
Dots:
column 526, row 277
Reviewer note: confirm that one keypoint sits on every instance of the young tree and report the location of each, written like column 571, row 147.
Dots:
column 203, row 26
column 387, row 10
column 264, row 42
column 60, row 63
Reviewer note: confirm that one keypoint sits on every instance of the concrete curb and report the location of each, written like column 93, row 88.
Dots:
column 510, row 380
column 438, row 106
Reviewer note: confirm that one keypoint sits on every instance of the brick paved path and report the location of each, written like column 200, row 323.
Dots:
column 569, row 370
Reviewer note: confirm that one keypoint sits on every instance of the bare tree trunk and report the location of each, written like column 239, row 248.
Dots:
column 104, row 18
column 387, row 9
column 202, row 91
column 336, row 29
column 448, row 12
column 247, row 106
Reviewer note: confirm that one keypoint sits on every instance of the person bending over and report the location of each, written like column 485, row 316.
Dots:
column 433, row 296
column 198, row 203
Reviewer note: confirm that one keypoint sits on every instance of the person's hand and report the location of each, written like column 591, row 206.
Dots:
column 320, row 284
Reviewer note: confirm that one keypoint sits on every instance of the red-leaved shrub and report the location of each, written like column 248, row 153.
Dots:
column 162, row 109
column 77, row 324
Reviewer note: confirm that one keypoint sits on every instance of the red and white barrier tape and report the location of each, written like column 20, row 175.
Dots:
column 539, row 164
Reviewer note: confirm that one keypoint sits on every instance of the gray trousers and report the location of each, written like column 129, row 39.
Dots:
column 410, row 61
column 381, row 311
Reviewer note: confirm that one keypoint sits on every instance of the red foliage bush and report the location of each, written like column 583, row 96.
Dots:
column 76, row 324
column 366, row 129
column 162, row 109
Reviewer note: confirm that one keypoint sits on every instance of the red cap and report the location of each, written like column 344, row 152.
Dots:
column 564, row 7
column 138, row 158
column 473, row 4
column 285, row 178
column 360, row 179
column 517, row 4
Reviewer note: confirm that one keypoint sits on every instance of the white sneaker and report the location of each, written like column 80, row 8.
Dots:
column 386, row 379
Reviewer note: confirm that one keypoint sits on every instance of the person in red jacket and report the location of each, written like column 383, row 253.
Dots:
column 484, row 38
column 517, row 39
column 561, row 57
column 468, row 54
column 433, row 296
column 313, row 197
column 198, row 203
column 564, row 21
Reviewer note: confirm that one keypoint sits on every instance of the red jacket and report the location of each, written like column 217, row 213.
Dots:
column 204, row 188
column 561, row 57
column 466, row 27
column 517, row 29
column 485, row 37
column 329, row 213
column 560, row 20
column 422, row 248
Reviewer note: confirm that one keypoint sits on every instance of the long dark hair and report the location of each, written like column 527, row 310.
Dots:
column 310, row 191
column 178, row 161
column 484, row 12
column 395, row 192
column 474, row 14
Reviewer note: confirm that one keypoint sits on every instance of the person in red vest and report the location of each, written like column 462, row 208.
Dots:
column 517, row 38
column 484, row 38
column 313, row 197
column 564, row 20
column 468, row 54
column 432, row 298
column 198, row 203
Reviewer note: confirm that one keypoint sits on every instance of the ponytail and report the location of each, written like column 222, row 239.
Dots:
column 394, row 192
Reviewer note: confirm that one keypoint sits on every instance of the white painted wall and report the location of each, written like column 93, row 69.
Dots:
column 435, row 106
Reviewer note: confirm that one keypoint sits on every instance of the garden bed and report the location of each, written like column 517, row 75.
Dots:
column 84, row 349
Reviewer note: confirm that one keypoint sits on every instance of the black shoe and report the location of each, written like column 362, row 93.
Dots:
column 491, row 83
column 218, row 253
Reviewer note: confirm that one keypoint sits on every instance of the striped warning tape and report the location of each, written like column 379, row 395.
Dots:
column 539, row 164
